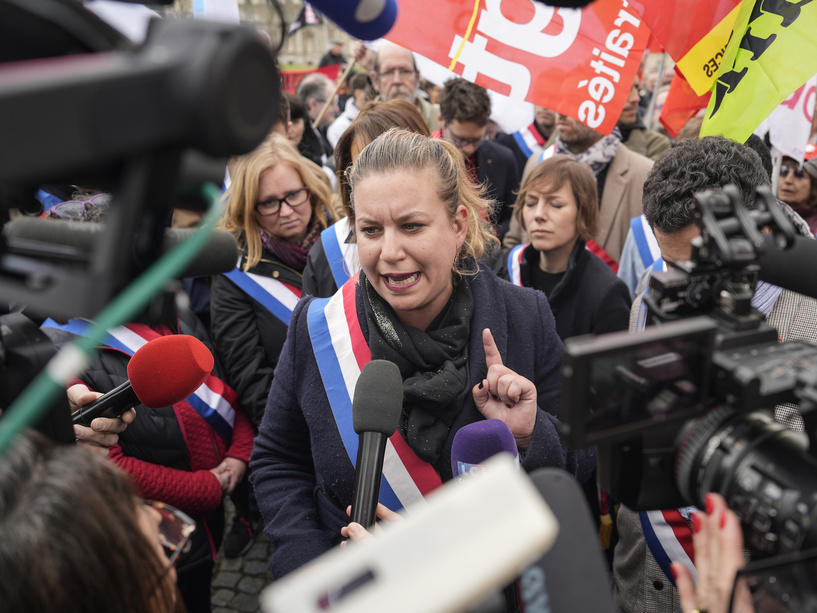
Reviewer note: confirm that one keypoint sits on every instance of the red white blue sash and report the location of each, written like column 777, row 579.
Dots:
column 547, row 153
column 213, row 400
column 667, row 533
column 641, row 321
column 529, row 140
column 515, row 263
column 342, row 256
column 341, row 353
column 515, row 255
column 669, row 537
column 648, row 248
column 277, row 297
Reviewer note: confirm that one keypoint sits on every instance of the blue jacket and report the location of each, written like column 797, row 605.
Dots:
column 302, row 475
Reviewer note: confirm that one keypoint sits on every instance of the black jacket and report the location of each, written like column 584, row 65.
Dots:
column 318, row 278
column 247, row 336
column 498, row 170
column 588, row 299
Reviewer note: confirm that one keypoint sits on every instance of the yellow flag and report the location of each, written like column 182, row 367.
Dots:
column 772, row 52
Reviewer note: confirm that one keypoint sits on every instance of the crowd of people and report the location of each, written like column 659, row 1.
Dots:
column 385, row 225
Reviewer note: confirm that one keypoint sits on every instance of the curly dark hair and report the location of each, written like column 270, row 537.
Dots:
column 461, row 100
column 692, row 166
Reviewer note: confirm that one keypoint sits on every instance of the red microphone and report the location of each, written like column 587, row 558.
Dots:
column 161, row 372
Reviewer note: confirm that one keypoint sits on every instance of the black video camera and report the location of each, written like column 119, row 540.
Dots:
column 699, row 402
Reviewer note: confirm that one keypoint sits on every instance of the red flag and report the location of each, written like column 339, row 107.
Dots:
column 681, row 105
column 654, row 45
column 693, row 32
column 578, row 62
column 291, row 78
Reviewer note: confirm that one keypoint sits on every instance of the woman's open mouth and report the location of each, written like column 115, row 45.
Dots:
column 395, row 281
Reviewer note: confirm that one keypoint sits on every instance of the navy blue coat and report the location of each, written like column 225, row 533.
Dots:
column 302, row 475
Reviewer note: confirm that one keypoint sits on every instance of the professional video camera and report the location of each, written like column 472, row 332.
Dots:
column 688, row 406
column 149, row 123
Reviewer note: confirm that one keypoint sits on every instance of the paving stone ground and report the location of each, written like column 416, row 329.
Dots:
column 238, row 583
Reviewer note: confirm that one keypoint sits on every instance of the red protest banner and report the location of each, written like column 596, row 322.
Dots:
column 291, row 78
column 694, row 33
column 578, row 62
column 681, row 105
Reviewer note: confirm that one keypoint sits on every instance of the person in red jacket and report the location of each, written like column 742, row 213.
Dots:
column 189, row 455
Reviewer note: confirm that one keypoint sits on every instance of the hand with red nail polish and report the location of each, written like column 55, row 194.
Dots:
column 503, row 394
column 718, row 542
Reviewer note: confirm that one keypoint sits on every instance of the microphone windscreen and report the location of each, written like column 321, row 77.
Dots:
column 475, row 443
column 791, row 268
column 363, row 19
column 378, row 398
column 168, row 369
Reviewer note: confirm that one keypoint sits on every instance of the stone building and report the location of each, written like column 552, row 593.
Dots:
column 303, row 48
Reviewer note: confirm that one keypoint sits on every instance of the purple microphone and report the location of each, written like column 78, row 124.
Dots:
column 475, row 443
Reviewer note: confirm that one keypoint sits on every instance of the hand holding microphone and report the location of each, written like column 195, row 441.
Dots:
column 103, row 433
column 376, row 408
column 161, row 372
column 505, row 395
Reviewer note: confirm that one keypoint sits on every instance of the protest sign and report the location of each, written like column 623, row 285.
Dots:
column 579, row 62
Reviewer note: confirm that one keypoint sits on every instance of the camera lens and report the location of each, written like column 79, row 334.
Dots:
column 763, row 470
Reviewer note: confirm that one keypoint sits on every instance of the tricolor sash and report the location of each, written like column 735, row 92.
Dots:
column 669, row 537
column 596, row 249
column 645, row 241
column 277, row 297
column 514, row 264
column 529, row 140
column 547, row 153
column 341, row 353
column 342, row 256
column 213, row 400
column 667, row 533
column 657, row 266
column 516, row 254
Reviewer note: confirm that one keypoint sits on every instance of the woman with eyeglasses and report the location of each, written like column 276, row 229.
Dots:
column 797, row 187
column 278, row 204
column 74, row 536
column 468, row 345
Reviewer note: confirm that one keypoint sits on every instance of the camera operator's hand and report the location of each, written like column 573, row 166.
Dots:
column 718, row 543
column 104, row 431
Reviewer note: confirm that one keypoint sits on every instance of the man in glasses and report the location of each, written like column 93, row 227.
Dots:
column 465, row 108
column 395, row 75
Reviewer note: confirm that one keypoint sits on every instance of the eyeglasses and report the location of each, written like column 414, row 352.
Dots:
column 271, row 206
column 463, row 142
column 798, row 171
column 401, row 71
column 175, row 529
column 77, row 209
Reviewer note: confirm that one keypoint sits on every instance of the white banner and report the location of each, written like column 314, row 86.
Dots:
column 789, row 125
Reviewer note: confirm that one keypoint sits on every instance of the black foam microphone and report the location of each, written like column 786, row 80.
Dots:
column 66, row 241
column 571, row 576
column 791, row 268
column 376, row 408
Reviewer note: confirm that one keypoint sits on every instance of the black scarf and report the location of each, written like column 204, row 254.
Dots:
column 433, row 363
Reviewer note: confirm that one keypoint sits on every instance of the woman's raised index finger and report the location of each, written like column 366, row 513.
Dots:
column 492, row 355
